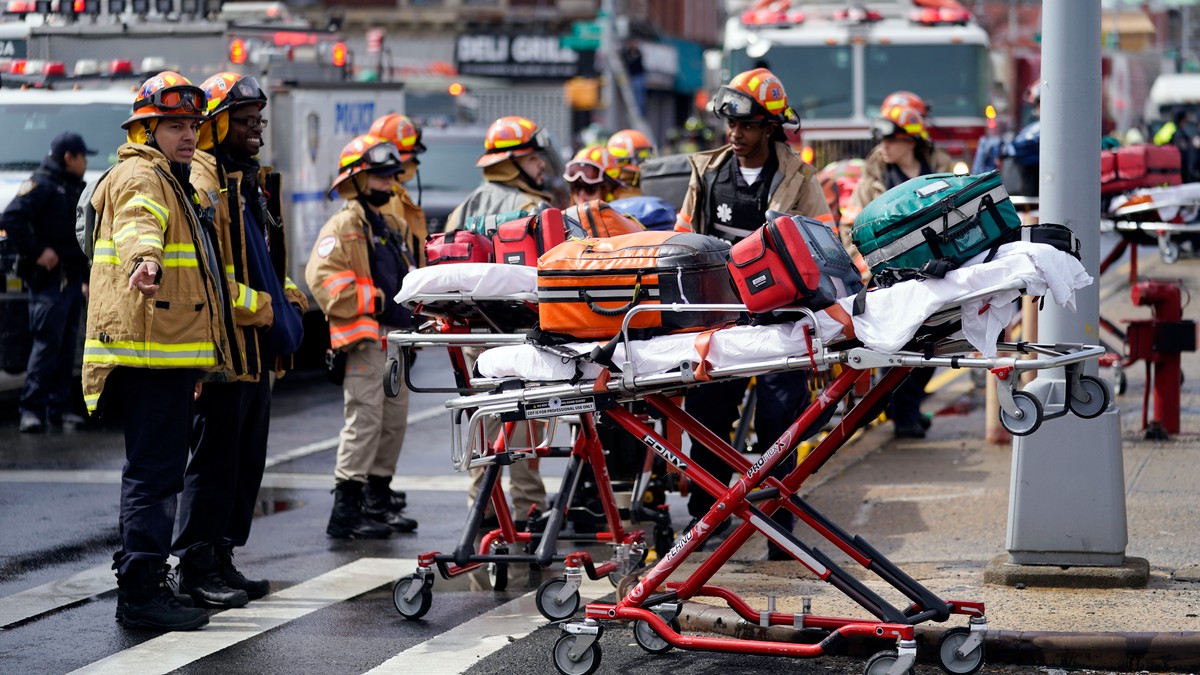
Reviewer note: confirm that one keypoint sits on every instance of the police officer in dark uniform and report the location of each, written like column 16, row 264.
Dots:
column 731, row 189
column 40, row 222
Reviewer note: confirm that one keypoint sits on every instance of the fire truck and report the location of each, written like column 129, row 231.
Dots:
column 839, row 61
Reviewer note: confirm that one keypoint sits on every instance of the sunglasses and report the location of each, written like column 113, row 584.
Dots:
column 185, row 98
column 584, row 171
column 251, row 122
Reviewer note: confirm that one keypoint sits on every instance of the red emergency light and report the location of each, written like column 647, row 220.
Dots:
column 17, row 67
column 20, row 7
column 293, row 39
column 237, row 51
column 339, row 54
column 120, row 67
column 857, row 15
column 941, row 16
column 54, row 69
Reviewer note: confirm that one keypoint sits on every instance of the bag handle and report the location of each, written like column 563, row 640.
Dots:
column 639, row 294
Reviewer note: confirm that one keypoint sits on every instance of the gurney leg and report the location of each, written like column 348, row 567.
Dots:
column 466, row 545
column 562, row 502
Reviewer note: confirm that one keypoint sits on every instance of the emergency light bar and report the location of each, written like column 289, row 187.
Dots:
column 945, row 16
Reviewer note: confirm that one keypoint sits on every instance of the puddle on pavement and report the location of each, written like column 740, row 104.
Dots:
column 271, row 501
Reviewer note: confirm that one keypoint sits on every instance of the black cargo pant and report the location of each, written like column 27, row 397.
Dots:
column 156, row 407
column 226, row 467
column 781, row 398
column 54, row 315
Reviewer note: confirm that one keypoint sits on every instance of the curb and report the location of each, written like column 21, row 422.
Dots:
column 1127, row 652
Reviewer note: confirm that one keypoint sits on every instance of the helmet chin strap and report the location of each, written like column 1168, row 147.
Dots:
column 149, row 134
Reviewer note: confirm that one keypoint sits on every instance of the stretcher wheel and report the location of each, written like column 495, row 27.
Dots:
column 586, row 664
column 1029, row 419
column 948, row 657
column 391, row 380
column 550, row 607
column 498, row 571
column 882, row 662
column 1120, row 381
column 649, row 639
column 1090, row 398
column 417, row 607
column 1169, row 253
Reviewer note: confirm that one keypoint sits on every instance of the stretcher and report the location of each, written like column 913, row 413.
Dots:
column 1166, row 217
column 480, row 306
column 947, row 333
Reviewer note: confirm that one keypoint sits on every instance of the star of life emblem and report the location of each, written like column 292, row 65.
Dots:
column 724, row 213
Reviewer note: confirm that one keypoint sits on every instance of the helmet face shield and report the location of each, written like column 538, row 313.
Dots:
column 248, row 87
column 382, row 156
column 731, row 103
column 884, row 128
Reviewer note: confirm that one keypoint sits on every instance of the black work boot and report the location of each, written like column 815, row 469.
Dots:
column 254, row 588
column 348, row 520
column 145, row 600
column 172, row 583
column 379, row 504
column 200, row 577
column 381, row 486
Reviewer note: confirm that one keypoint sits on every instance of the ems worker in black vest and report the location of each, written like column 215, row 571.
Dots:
column 730, row 192
column 40, row 222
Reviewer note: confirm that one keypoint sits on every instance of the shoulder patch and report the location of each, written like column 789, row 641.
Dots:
column 25, row 187
column 325, row 246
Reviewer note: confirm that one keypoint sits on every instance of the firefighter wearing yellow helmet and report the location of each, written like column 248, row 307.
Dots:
column 156, row 319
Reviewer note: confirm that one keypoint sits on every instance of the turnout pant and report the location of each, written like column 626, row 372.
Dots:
column 375, row 424
column 229, row 453
column 156, row 409
column 54, row 315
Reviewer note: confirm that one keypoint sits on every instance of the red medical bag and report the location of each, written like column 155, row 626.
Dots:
column 524, row 240
column 792, row 260
column 459, row 246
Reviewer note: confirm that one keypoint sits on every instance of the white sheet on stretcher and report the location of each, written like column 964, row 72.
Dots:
column 1171, row 201
column 892, row 317
column 468, row 279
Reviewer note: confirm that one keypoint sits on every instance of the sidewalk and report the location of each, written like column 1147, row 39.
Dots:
column 938, row 508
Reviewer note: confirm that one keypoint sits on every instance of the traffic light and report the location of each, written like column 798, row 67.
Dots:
column 582, row 93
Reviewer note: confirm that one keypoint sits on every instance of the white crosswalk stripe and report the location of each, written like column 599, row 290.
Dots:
column 225, row 629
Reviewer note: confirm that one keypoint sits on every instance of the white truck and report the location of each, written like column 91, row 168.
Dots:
column 313, row 114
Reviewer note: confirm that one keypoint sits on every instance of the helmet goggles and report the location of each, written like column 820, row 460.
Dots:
column 882, row 127
column 377, row 158
column 184, row 98
column 585, row 171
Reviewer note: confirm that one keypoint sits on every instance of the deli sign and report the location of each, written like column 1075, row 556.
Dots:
column 537, row 56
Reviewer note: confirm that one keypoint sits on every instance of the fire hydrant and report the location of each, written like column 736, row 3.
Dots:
column 1160, row 341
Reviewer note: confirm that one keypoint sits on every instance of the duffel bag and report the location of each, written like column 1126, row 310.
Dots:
column 458, row 246
column 655, row 213
column 1163, row 166
column 487, row 224
column 931, row 224
column 789, row 261
column 586, row 286
column 598, row 218
column 667, row 177
column 524, row 240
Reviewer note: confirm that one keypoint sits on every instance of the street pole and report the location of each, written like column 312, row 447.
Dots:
column 608, row 47
column 1067, row 492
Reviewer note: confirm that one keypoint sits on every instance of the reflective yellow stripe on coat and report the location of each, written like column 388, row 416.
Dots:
column 150, row 354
